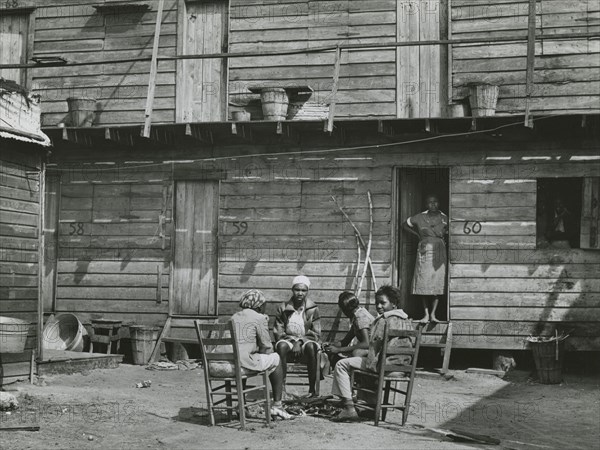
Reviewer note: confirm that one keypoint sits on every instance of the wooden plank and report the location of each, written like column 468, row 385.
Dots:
column 555, row 271
column 518, row 285
column 153, row 71
column 525, row 299
column 527, row 314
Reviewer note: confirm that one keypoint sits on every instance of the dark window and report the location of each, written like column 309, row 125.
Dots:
column 559, row 212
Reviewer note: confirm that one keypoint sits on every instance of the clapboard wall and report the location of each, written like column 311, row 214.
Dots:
column 567, row 72
column 383, row 83
column 501, row 287
column 19, row 248
column 76, row 31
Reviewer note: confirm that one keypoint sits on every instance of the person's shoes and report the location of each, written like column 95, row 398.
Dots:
column 347, row 415
column 277, row 411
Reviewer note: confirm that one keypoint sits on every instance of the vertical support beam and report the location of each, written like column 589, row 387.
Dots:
column 450, row 58
column 334, row 88
column 41, row 257
column 153, row 70
column 530, row 62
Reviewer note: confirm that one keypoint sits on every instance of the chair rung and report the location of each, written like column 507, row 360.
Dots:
column 400, row 379
column 252, row 388
column 362, row 389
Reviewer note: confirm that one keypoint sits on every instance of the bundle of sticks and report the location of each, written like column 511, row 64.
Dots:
column 361, row 245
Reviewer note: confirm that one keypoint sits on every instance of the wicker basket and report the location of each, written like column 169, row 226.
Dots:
column 483, row 99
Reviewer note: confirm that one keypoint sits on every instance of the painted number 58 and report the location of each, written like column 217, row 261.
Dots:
column 475, row 228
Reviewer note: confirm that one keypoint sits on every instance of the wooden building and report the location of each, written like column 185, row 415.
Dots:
column 185, row 220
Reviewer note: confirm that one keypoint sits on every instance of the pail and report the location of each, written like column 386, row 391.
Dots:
column 82, row 111
column 143, row 339
column 483, row 99
column 13, row 335
column 64, row 332
column 548, row 360
column 275, row 103
column 241, row 116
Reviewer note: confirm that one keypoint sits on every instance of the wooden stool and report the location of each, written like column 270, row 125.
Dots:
column 105, row 332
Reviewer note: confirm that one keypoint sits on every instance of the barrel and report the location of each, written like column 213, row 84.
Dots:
column 13, row 335
column 64, row 332
column 483, row 99
column 143, row 339
column 275, row 103
column 548, row 360
column 82, row 111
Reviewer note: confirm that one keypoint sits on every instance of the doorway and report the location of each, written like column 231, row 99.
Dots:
column 412, row 187
column 195, row 262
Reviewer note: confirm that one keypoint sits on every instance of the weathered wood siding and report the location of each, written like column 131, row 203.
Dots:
column 74, row 30
column 113, row 244
column 19, row 248
column 567, row 72
column 367, row 86
column 502, row 288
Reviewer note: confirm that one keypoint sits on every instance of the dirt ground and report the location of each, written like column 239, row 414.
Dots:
column 104, row 409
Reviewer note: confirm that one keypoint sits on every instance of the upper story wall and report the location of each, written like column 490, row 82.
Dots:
column 378, row 83
column 567, row 72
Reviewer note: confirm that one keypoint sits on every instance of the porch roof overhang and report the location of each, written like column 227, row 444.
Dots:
column 314, row 132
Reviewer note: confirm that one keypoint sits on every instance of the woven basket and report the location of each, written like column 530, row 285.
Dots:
column 483, row 99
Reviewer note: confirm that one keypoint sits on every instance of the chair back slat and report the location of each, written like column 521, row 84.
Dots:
column 397, row 368
column 403, row 333
column 400, row 351
column 220, row 356
column 217, row 341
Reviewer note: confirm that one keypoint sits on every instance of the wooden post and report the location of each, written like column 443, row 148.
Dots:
column 41, row 258
column 334, row 88
column 530, row 62
column 153, row 70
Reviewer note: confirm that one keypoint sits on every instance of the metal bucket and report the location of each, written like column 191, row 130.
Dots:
column 13, row 335
column 64, row 332
column 82, row 111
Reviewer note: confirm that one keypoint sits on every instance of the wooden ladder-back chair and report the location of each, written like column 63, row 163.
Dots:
column 222, row 364
column 389, row 374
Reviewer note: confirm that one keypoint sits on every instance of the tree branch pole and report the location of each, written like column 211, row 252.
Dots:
column 360, row 239
column 368, row 255
column 355, row 281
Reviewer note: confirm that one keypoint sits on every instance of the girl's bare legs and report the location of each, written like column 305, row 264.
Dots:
column 425, row 318
column 434, row 305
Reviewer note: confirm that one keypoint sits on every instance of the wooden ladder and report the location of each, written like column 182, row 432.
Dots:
column 431, row 331
column 178, row 329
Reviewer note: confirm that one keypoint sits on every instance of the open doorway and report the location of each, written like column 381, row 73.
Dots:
column 413, row 185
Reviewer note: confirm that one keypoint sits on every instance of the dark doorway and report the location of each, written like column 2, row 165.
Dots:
column 414, row 184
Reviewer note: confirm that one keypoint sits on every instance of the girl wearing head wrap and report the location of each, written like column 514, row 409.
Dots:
column 255, row 347
column 298, row 330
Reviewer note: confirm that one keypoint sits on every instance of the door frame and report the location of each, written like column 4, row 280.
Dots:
column 396, row 224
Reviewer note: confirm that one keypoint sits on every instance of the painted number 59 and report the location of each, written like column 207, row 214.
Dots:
column 475, row 228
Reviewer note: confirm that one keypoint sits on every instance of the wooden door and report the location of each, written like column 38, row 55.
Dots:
column 202, row 83
column 590, row 214
column 14, row 30
column 421, row 78
column 195, row 263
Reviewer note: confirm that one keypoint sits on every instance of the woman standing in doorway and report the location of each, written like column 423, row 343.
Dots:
column 429, row 279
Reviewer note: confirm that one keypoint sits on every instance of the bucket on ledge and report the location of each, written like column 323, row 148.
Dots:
column 13, row 335
column 143, row 338
column 483, row 99
column 275, row 103
column 548, row 357
column 82, row 111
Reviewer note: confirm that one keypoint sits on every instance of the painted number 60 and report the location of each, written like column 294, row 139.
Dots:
column 475, row 228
